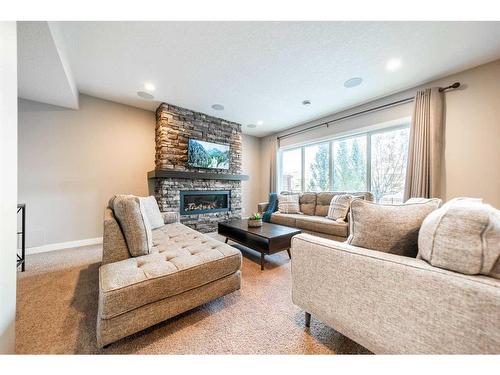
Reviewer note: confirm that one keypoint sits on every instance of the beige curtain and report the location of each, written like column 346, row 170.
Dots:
column 273, row 180
column 425, row 152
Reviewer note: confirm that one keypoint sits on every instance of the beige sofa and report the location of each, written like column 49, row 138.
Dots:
column 394, row 304
column 186, row 269
column 312, row 218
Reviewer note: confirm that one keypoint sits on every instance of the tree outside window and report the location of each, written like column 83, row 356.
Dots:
column 388, row 165
column 349, row 164
column 317, row 160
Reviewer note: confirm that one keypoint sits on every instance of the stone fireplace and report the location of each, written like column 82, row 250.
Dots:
column 202, row 196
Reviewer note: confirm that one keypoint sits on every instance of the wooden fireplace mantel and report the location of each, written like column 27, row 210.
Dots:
column 158, row 173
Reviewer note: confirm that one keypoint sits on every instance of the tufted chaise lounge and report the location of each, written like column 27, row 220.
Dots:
column 185, row 269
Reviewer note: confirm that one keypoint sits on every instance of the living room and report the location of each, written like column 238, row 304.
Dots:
column 182, row 188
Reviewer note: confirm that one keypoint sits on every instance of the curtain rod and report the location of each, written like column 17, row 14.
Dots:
column 374, row 109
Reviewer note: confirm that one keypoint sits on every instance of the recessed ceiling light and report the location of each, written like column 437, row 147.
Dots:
column 218, row 107
column 306, row 102
column 353, row 82
column 393, row 64
column 260, row 122
column 251, row 126
column 145, row 95
column 149, row 86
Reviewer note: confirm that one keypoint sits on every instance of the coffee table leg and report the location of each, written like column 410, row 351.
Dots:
column 262, row 260
column 289, row 255
column 227, row 239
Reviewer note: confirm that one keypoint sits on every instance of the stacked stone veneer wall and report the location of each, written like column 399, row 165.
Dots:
column 174, row 127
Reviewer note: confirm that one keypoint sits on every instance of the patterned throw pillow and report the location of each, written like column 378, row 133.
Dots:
column 288, row 204
column 339, row 206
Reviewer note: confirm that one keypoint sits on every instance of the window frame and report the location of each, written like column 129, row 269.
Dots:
column 330, row 142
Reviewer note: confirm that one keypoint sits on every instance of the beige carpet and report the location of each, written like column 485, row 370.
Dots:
column 57, row 307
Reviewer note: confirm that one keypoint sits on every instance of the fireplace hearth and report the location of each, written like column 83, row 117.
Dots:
column 203, row 202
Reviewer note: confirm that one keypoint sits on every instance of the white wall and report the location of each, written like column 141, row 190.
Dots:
column 472, row 132
column 8, row 184
column 72, row 161
column 250, row 166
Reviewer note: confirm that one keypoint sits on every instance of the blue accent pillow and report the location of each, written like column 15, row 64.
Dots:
column 272, row 207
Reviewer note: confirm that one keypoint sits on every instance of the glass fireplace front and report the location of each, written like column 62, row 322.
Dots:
column 204, row 201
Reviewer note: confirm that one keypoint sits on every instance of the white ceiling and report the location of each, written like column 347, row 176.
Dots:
column 262, row 71
column 43, row 70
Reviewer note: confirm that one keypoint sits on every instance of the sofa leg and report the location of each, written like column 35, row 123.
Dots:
column 308, row 319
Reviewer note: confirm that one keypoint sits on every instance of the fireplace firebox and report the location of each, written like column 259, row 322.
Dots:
column 202, row 202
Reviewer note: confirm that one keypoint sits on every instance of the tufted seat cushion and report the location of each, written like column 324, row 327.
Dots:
column 181, row 259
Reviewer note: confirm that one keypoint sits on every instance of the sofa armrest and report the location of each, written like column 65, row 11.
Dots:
column 170, row 217
column 262, row 207
column 114, row 246
column 394, row 304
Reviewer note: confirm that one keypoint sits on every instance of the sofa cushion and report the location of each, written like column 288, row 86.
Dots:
column 462, row 236
column 182, row 259
column 388, row 228
column 152, row 211
column 323, row 200
column 322, row 225
column 307, row 203
column 134, row 223
column 288, row 203
column 285, row 219
column 339, row 206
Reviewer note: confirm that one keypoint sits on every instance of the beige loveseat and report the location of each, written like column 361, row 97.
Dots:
column 393, row 304
column 185, row 269
column 312, row 218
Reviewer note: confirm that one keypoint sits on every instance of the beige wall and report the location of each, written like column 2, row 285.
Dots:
column 472, row 132
column 472, row 136
column 250, row 189
column 71, row 162
column 8, row 185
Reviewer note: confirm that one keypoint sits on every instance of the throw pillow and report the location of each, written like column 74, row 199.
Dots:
column 462, row 236
column 388, row 228
column 339, row 206
column 152, row 211
column 288, row 204
column 134, row 224
column 307, row 203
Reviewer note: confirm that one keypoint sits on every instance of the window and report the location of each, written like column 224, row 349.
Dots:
column 373, row 161
column 349, row 164
column 317, row 168
column 389, row 153
column 291, row 170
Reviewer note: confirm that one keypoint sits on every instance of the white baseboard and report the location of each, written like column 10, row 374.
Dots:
column 63, row 245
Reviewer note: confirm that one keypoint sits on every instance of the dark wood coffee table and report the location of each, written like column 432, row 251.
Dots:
column 267, row 239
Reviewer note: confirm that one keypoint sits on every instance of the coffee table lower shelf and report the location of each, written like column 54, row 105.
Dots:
column 268, row 239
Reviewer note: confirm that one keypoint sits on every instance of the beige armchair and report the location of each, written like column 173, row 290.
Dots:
column 394, row 304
